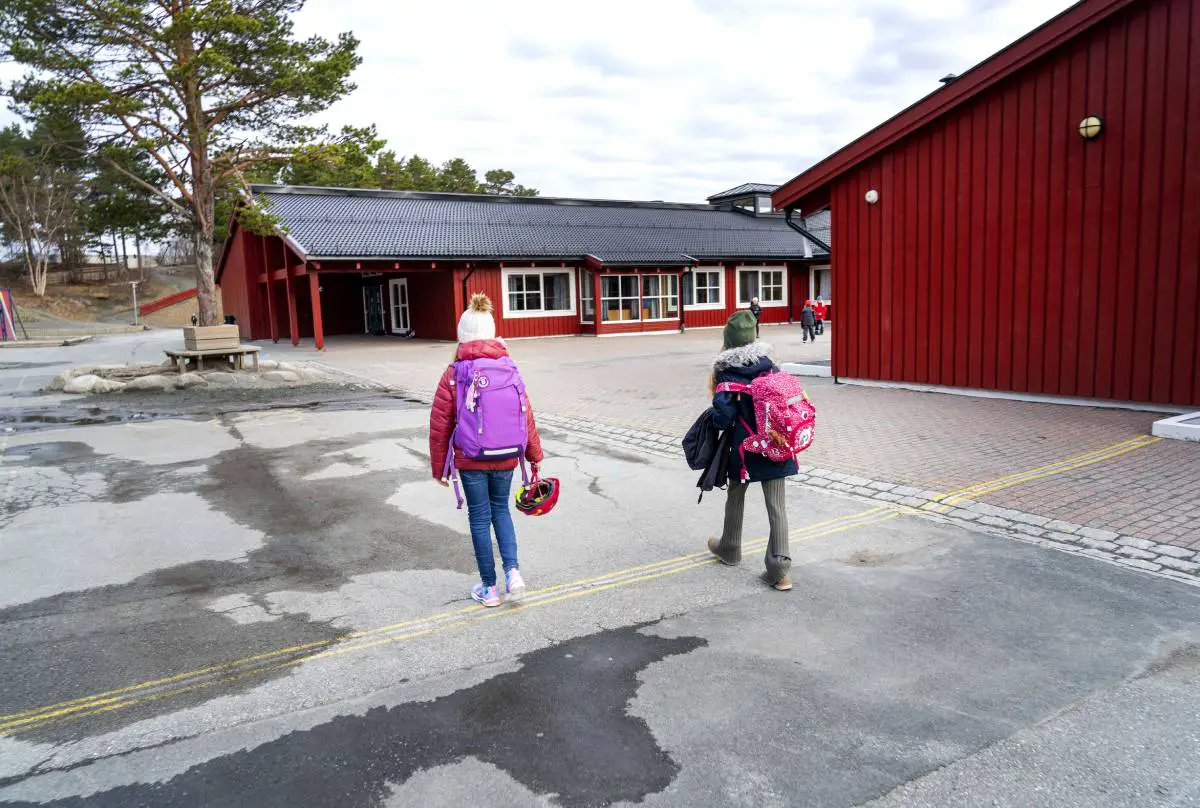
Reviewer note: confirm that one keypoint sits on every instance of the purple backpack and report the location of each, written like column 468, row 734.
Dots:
column 492, row 414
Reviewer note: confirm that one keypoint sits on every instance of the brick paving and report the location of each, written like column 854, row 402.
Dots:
column 929, row 441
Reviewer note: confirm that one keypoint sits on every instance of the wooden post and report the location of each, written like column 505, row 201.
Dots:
column 596, row 318
column 293, row 321
column 314, row 288
column 270, row 293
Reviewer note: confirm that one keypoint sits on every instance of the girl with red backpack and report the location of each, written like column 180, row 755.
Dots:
column 481, row 428
column 742, row 361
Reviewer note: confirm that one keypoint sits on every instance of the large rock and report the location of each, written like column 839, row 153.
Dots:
column 60, row 381
column 189, row 380
column 220, row 378
column 91, row 383
column 108, row 386
column 281, row 376
column 154, row 383
column 81, row 385
column 268, row 364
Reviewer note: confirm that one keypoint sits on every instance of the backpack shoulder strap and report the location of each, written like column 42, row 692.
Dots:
column 732, row 387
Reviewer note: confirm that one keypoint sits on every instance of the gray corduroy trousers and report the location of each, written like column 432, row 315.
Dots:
column 778, row 561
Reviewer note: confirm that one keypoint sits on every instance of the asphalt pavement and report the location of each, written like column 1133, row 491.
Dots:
column 267, row 607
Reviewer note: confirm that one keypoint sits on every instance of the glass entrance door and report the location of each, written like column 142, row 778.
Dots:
column 399, row 305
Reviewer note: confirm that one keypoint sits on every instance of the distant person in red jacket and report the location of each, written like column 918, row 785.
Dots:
column 487, row 484
column 820, row 311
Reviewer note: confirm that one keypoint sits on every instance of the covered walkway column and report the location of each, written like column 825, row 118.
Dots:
column 293, row 322
column 270, row 292
column 314, row 288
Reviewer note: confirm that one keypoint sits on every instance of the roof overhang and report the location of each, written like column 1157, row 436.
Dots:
column 809, row 191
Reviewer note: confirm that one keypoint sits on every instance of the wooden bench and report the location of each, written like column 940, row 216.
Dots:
column 182, row 358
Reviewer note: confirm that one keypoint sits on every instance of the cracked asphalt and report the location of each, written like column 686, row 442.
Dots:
column 252, row 603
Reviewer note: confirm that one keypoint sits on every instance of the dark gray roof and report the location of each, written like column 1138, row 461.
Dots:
column 819, row 225
column 337, row 223
column 744, row 190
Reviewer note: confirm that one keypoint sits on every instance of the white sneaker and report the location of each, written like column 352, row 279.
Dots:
column 515, row 585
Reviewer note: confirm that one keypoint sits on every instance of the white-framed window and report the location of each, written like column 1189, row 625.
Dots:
column 660, row 297
column 704, row 288
column 768, row 284
column 818, row 284
column 587, row 294
column 538, row 292
column 619, row 298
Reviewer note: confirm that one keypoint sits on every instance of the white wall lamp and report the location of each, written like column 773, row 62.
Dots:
column 872, row 196
column 1091, row 127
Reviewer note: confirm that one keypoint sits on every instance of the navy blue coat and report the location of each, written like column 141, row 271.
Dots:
column 730, row 409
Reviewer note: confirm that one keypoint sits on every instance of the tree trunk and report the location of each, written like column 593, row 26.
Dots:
column 205, row 285
column 37, row 277
column 116, row 254
column 124, row 256
column 204, row 202
column 137, row 245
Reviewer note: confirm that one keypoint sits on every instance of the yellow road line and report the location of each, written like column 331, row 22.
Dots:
column 118, row 697
column 34, row 719
column 115, row 695
column 987, row 488
column 1056, row 467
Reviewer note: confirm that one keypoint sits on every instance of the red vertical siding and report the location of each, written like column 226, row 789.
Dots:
column 239, row 280
column 882, row 337
column 1007, row 252
column 1185, row 378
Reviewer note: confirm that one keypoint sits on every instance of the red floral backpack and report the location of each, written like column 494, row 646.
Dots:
column 785, row 417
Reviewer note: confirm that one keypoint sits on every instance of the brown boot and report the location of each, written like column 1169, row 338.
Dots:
column 783, row 585
column 714, row 547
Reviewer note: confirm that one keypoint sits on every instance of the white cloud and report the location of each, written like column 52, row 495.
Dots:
column 652, row 99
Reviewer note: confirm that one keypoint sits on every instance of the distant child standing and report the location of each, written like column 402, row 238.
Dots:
column 481, row 370
column 756, row 310
column 808, row 322
column 742, row 361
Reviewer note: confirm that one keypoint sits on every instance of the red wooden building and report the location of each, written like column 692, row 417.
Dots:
column 397, row 262
column 1034, row 225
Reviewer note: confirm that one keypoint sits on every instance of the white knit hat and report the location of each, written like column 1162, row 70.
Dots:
column 477, row 322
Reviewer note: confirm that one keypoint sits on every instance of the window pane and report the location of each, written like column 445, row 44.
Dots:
column 533, row 283
column 515, row 283
column 689, row 281
column 749, row 286
column 558, row 288
column 516, row 301
column 629, row 286
column 610, row 286
column 651, row 308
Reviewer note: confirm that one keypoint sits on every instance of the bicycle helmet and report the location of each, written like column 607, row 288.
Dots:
column 538, row 497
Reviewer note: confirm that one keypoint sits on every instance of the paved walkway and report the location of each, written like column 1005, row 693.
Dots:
column 928, row 440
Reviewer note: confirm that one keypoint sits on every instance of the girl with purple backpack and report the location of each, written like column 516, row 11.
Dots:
column 743, row 360
column 483, row 379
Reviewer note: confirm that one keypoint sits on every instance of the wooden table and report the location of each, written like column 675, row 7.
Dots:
column 237, row 356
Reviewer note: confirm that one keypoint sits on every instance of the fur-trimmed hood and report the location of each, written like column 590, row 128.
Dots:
column 741, row 357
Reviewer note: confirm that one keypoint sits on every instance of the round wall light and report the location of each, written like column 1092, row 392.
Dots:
column 872, row 196
column 1091, row 127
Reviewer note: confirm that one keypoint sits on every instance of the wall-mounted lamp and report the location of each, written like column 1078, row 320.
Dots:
column 1091, row 127
column 872, row 196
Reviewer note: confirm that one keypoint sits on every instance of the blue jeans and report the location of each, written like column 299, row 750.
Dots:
column 487, row 507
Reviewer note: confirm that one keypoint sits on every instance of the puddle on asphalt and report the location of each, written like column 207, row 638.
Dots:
column 571, row 706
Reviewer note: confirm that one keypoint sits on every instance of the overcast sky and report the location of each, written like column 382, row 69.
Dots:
column 651, row 99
